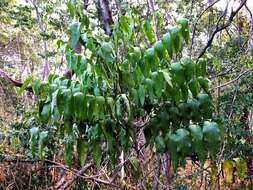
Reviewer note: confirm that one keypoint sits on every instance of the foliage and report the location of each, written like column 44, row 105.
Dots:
column 109, row 92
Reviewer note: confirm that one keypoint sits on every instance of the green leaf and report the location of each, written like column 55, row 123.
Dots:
column 148, row 31
column 43, row 138
column 134, row 95
column 137, row 53
column 74, row 34
column 106, row 52
column 184, row 92
column 176, row 39
column 204, row 83
column 184, row 28
column 136, row 167
column 124, row 24
column 241, row 168
column 151, row 59
column 68, row 102
column 71, row 7
column 96, row 153
column 184, row 142
column 197, row 138
column 194, row 87
column 34, row 135
column 201, row 67
column 45, row 113
column 160, row 50
column 82, row 149
column 168, row 44
column 160, row 144
column 189, row 67
column 141, row 94
column 150, row 90
column 36, row 86
column 196, row 132
column 25, row 84
column 167, row 77
column 68, row 150
column 212, row 136
column 79, row 105
column 178, row 73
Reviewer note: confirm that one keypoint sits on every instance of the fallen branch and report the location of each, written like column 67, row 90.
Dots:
column 78, row 174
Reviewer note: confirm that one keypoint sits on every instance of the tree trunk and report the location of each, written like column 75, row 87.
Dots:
column 106, row 16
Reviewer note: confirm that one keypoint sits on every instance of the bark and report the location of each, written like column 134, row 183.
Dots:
column 85, row 4
column 45, row 46
column 105, row 15
column 151, row 4
column 155, row 185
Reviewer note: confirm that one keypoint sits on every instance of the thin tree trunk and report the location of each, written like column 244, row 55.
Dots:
column 151, row 4
column 45, row 46
column 105, row 15
column 155, row 185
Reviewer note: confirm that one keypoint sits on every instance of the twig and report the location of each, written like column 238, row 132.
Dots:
column 69, row 183
column 16, row 83
column 232, row 81
column 195, row 24
column 220, row 28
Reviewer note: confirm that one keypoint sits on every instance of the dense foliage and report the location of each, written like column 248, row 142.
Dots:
column 142, row 84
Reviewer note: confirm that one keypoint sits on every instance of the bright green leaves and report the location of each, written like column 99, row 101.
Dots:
column 168, row 44
column 201, row 67
column 96, row 153
column 45, row 113
column 38, row 141
column 150, row 58
column 177, row 71
column 116, row 83
column 82, row 150
column 106, row 52
column 148, row 31
column 25, row 85
column 241, row 168
column 79, row 105
column 72, row 7
column 212, row 136
column 34, row 132
column 43, row 139
column 196, row 140
column 160, row 49
column 74, row 34
column 176, row 39
column 125, row 25
column 123, row 110
column 194, row 87
column 141, row 94
column 179, row 145
column 184, row 29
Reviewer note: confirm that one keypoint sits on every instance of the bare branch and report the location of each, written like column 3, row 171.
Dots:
column 16, row 83
column 234, row 80
column 195, row 24
column 222, row 27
